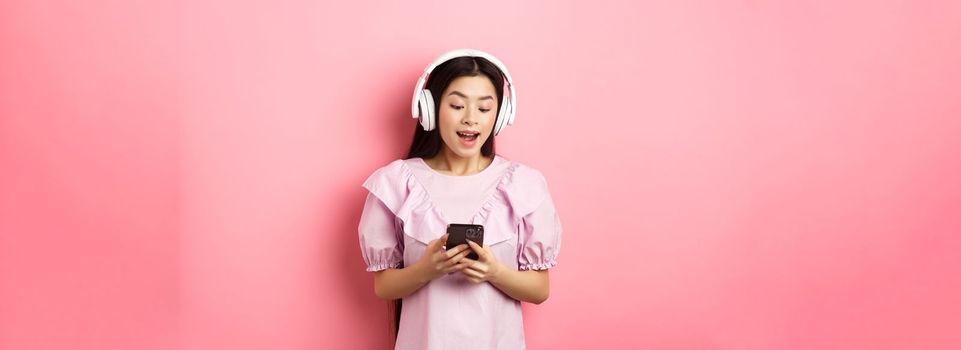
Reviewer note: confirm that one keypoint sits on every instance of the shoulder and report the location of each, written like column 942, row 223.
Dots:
column 391, row 184
column 526, row 175
column 525, row 188
column 394, row 170
column 529, row 173
column 390, row 178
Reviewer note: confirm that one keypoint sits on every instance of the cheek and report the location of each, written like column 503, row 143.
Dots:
column 489, row 121
column 447, row 117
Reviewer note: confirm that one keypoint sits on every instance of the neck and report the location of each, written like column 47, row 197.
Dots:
column 451, row 163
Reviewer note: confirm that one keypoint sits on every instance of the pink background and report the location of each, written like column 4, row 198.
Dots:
column 749, row 175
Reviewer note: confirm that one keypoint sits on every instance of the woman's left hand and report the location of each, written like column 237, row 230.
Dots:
column 485, row 268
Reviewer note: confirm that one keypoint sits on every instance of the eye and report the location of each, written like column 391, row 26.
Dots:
column 456, row 107
column 485, row 110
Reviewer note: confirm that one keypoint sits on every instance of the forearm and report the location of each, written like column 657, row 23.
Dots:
column 528, row 286
column 393, row 284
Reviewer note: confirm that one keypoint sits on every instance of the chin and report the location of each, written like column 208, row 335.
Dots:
column 467, row 153
column 458, row 150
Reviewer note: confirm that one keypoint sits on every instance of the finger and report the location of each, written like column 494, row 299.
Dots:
column 464, row 265
column 473, row 273
column 455, row 259
column 435, row 245
column 458, row 266
column 460, row 256
column 438, row 244
column 456, row 250
column 479, row 267
column 451, row 255
column 481, row 252
column 439, row 256
column 455, row 268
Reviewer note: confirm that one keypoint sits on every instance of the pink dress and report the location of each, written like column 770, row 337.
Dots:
column 410, row 204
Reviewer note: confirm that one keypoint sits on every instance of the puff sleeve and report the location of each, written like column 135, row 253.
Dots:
column 380, row 236
column 539, row 237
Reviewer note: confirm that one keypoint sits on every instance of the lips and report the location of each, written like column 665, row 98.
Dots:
column 468, row 135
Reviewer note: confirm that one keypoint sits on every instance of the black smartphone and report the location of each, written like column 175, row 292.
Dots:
column 460, row 233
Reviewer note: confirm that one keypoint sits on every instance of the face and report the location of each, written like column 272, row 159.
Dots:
column 466, row 117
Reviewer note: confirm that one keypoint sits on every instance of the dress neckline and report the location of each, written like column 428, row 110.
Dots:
column 496, row 159
column 480, row 216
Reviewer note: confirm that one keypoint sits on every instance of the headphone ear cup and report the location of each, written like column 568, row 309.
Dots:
column 424, row 109
column 427, row 111
column 503, row 115
column 510, row 114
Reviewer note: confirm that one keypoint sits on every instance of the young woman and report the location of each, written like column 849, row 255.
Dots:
column 451, row 175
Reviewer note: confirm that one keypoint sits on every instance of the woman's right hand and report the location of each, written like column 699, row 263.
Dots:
column 437, row 262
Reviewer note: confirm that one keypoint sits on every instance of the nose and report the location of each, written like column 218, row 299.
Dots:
column 469, row 117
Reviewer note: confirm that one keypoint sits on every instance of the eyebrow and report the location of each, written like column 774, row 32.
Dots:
column 465, row 96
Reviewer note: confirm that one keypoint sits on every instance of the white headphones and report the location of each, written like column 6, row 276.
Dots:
column 422, row 106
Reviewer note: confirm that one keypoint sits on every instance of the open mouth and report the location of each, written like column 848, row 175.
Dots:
column 468, row 135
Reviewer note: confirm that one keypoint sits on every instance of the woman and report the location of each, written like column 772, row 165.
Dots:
column 452, row 175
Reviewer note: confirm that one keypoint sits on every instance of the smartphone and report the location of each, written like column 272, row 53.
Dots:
column 460, row 233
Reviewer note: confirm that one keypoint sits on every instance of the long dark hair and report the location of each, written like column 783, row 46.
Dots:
column 426, row 144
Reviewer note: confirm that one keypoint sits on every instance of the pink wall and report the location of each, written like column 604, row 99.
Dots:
column 186, row 175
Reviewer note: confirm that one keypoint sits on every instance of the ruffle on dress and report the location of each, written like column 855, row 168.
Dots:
column 518, row 193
